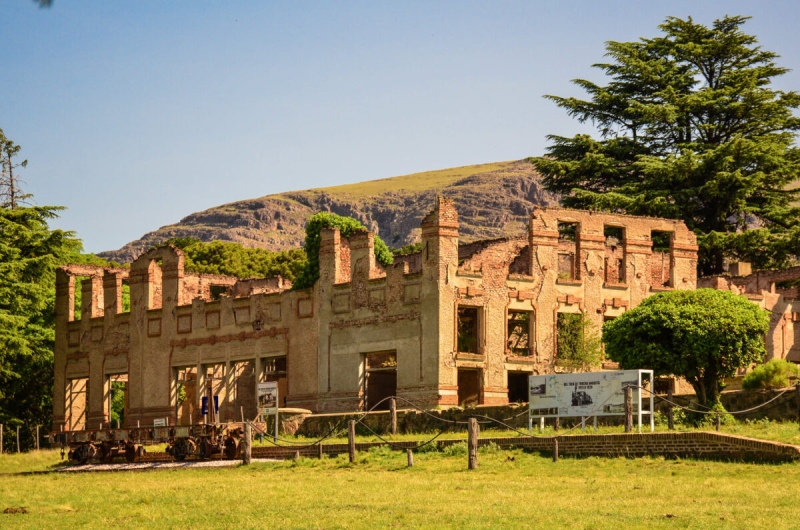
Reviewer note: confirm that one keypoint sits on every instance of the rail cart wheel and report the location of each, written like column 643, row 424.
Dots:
column 182, row 448
column 132, row 452
column 80, row 454
column 231, row 448
column 104, row 452
column 83, row 453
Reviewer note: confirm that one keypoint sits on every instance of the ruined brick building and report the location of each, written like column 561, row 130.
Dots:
column 777, row 291
column 451, row 324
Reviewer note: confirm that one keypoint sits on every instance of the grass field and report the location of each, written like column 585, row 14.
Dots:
column 414, row 182
column 510, row 489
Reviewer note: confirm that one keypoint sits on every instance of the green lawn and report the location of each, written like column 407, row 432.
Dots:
column 510, row 489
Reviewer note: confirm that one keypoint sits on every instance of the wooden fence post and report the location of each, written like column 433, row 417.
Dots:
column 248, row 446
column 393, row 415
column 628, row 409
column 410, row 458
column 557, row 424
column 319, row 447
column 796, row 392
column 555, row 449
column 670, row 414
column 18, row 439
column 473, row 431
column 1, row 438
column 37, row 437
column 351, row 440
column 718, row 420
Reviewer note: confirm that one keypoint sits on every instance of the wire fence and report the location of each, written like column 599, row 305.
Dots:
column 25, row 437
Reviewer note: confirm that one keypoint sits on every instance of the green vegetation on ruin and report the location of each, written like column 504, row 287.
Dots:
column 232, row 259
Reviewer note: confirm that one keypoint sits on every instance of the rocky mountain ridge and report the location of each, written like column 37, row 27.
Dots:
column 493, row 200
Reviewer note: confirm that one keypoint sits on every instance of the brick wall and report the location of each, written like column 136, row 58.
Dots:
column 671, row 445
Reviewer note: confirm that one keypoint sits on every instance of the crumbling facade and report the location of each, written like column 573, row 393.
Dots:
column 452, row 324
column 777, row 291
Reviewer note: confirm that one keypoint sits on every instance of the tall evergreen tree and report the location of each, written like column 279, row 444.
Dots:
column 689, row 128
column 29, row 254
column 11, row 194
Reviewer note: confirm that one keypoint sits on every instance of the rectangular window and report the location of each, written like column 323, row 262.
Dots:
column 568, row 251
column 117, row 401
column 77, row 308
column 77, row 399
column 519, row 332
column 518, row 387
column 468, row 334
column 186, row 399
column 244, row 390
column 215, row 391
column 661, row 259
column 275, row 370
column 614, row 266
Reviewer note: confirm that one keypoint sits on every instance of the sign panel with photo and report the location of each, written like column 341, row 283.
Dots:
column 268, row 397
column 583, row 394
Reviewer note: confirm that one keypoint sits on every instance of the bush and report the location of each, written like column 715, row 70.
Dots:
column 457, row 449
column 347, row 226
column 773, row 374
column 678, row 417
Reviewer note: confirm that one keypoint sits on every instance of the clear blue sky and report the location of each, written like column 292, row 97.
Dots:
column 136, row 113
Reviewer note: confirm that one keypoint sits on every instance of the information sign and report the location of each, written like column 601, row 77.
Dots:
column 586, row 394
column 268, row 397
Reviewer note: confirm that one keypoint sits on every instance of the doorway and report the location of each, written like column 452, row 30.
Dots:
column 381, row 379
column 469, row 387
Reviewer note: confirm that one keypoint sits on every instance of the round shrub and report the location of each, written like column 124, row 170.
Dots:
column 773, row 374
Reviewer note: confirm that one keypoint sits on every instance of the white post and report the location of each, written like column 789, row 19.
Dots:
column 541, row 424
column 595, row 423
column 530, row 420
column 639, row 401
column 652, row 410
column 583, row 423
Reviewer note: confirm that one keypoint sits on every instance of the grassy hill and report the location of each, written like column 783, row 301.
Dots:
column 493, row 200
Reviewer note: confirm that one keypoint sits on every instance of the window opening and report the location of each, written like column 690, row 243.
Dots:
column 660, row 259
column 77, row 396
column 518, row 333
column 126, row 296
column 77, row 299
column 518, row 387
column 186, row 398
column 567, row 251
column 275, row 370
column 579, row 346
column 215, row 385
column 614, row 266
column 216, row 291
column 468, row 329
column 244, row 400
column 663, row 385
column 117, row 399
